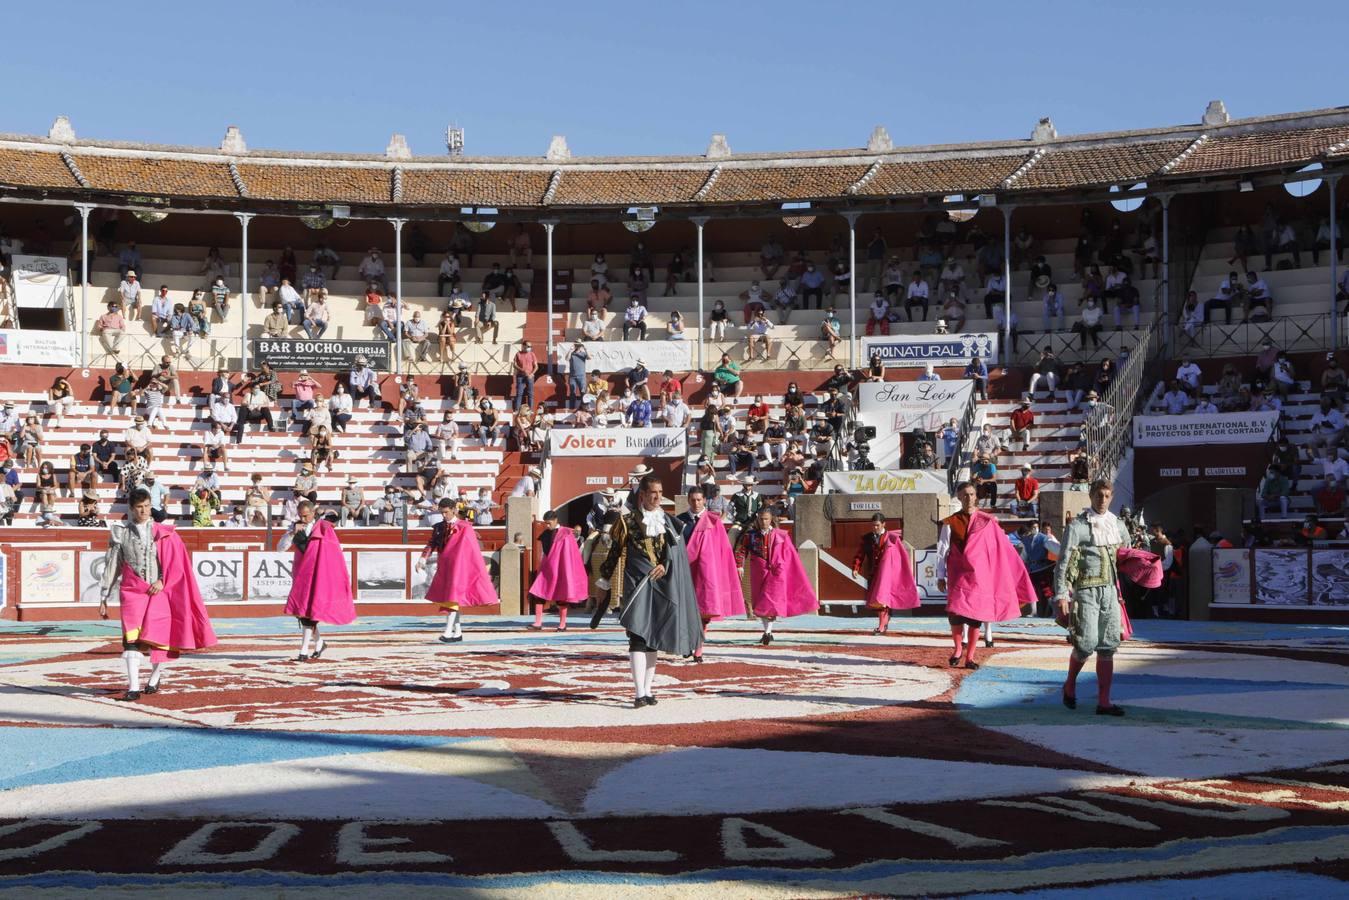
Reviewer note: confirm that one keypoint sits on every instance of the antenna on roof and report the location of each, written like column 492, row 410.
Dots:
column 454, row 140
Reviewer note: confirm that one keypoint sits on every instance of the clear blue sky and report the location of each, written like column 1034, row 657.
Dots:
column 622, row 78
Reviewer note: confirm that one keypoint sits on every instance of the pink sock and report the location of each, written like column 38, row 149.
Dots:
column 972, row 645
column 1105, row 674
column 883, row 620
column 956, row 631
column 562, row 615
column 538, row 615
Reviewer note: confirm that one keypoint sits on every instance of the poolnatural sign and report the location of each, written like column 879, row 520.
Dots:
column 938, row 349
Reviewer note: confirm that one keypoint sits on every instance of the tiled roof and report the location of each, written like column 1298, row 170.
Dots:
column 317, row 184
column 167, row 177
column 475, row 187
column 956, row 175
column 635, row 186
column 1111, row 164
column 34, row 169
column 1258, row 150
column 783, row 183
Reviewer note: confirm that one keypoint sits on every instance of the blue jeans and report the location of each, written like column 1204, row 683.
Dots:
column 293, row 310
column 387, row 329
column 575, row 390
column 314, row 329
column 524, row 389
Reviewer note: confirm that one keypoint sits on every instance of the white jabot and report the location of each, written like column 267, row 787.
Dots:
column 653, row 522
column 1104, row 530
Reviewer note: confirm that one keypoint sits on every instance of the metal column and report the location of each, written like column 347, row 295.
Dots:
column 1166, row 274
column 1007, row 285
column 84, row 210
column 852, row 287
column 699, row 222
column 548, row 226
column 398, row 292
column 1334, row 268
column 245, row 301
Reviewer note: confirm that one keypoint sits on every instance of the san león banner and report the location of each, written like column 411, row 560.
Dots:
column 292, row 354
column 39, row 348
column 938, row 349
column 906, row 405
column 619, row 356
column 39, row 281
column 1218, row 428
column 617, row 442
column 890, row 481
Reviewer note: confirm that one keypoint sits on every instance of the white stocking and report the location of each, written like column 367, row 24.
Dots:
column 767, row 626
column 452, row 628
column 132, row 658
column 638, row 673
column 650, row 673
column 308, row 639
column 156, row 672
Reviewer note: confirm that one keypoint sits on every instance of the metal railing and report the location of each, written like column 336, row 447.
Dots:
column 957, row 460
column 1295, row 334
column 1107, row 427
column 143, row 351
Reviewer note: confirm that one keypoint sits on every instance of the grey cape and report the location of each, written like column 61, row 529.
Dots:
column 662, row 612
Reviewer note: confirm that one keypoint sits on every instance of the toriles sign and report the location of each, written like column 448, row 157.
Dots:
column 938, row 349
column 320, row 356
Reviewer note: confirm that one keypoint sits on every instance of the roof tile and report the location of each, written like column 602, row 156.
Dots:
column 783, row 183
column 29, row 168
column 956, row 175
column 168, row 177
column 1113, row 164
column 317, row 184
column 1262, row 150
column 631, row 186
column 476, row 187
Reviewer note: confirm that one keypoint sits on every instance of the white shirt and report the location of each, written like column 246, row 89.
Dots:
column 215, row 438
column 1259, row 288
column 1175, row 402
column 1189, row 374
column 224, row 413
column 372, row 265
column 1224, row 290
column 995, row 285
column 593, row 328
column 288, row 294
column 1205, row 407
column 917, row 289
column 1336, row 467
column 677, row 415
column 953, row 273
column 1091, row 315
column 137, row 437
column 1115, row 280
column 449, row 267
column 340, row 403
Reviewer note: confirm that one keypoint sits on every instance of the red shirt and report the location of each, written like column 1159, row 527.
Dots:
column 1328, row 501
column 1022, row 418
column 1026, row 487
column 526, row 363
column 758, row 411
column 671, row 386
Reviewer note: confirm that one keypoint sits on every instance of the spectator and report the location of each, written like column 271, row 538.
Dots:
column 1023, row 420
column 137, row 437
column 1128, row 302
column 674, row 273
column 152, row 395
column 291, row 302
column 1229, row 291
column 1190, row 376
column 204, row 504
column 1176, row 400
column 977, row 371
column 599, row 270
column 161, row 311
column 1332, row 466
column 592, row 329
column 81, row 472
column 1284, row 380
column 875, row 257
column 215, row 444
column 371, row 270
column 130, row 293
column 916, row 295
column 89, row 515
column 128, row 259
column 447, row 438
column 449, row 274
column 353, row 505
column 528, row 485
column 812, row 285
column 111, row 327
column 879, row 318
column 1046, row 370
column 269, row 281
column 1088, row 324
column 361, row 380
column 639, row 377
column 1026, row 500
column 487, row 318
column 288, row 266
column 524, row 367
column 952, row 278
column 1079, row 470
column 1330, row 499
column 1105, row 377
column 599, row 297
column 1323, row 241
column 1205, row 407
column 237, row 518
column 220, row 296
column 1259, row 304
column 1243, row 245
column 313, row 281
column 314, row 319
column 639, row 412
column 929, row 373
column 754, row 301
column 201, row 319
column 327, row 256
column 770, row 258
column 760, row 337
column 60, row 399
column 634, row 317
column 727, row 376
column 277, row 323
column 511, row 288
column 785, row 301
column 952, row 318
column 984, row 476
column 305, row 485
column 105, row 456
column 1326, row 426
column 488, row 432
column 1053, row 305
column 482, row 507
column 206, row 478
column 950, row 440
column 28, row 441
column 831, row 330
column 222, row 411
column 255, row 408
column 995, row 293
column 1274, row 488
column 716, row 322
column 416, row 338
column 987, row 444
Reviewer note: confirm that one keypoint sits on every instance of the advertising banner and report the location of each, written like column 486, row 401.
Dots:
column 48, row 576
column 617, row 442
column 1219, row 428
column 39, row 348
column 1282, row 577
column 39, row 281
column 269, row 576
column 925, row 574
column 938, row 349
column 292, row 354
column 619, row 356
column 905, row 405
column 1231, row 575
column 381, row 574
column 886, row 481
column 220, row 576
column 91, row 574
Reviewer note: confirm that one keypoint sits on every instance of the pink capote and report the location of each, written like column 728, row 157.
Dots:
column 779, row 585
column 461, row 575
column 174, row 619
column 987, row 581
column 562, row 575
column 320, row 581
column 1143, row 568
column 892, row 585
column 715, row 579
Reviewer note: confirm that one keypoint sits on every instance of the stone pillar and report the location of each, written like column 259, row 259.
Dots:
column 811, row 520
column 1199, row 566
column 810, row 558
column 512, row 576
column 1058, row 508
column 1229, row 508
